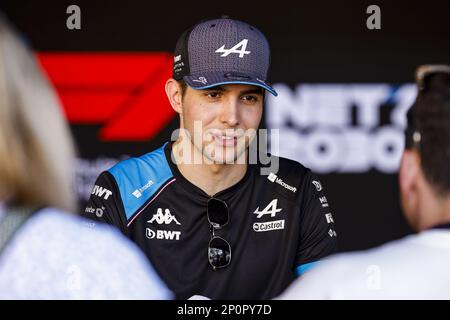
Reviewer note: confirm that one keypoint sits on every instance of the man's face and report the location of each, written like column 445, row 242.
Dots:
column 220, row 120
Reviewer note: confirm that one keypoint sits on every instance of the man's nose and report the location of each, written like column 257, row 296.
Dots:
column 230, row 112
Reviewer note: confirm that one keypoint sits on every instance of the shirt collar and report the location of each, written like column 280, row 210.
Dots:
column 196, row 191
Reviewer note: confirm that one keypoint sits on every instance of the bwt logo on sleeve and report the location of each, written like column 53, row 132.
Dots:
column 101, row 192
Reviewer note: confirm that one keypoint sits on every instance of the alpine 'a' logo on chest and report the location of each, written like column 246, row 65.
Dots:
column 270, row 209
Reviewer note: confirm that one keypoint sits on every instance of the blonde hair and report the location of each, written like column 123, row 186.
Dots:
column 36, row 149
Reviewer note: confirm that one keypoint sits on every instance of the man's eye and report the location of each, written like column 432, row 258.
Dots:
column 213, row 94
column 250, row 98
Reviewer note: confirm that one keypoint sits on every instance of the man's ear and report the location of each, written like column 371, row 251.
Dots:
column 409, row 170
column 409, row 176
column 174, row 94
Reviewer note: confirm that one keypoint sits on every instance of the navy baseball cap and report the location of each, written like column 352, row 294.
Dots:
column 222, row 51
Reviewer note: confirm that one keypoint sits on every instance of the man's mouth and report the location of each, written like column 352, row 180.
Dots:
column 225, row 141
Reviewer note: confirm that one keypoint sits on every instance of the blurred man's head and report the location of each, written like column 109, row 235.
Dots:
column 425, row 167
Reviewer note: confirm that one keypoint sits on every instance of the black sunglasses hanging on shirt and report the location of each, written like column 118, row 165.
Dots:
column 219, row 250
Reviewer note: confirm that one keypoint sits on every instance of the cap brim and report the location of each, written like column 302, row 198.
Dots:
column 209, row 80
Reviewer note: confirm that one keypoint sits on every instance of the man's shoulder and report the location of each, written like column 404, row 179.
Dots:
column 288, row 177
column 153, row 162
column 275, row 166
column 385, row 255
column 352, row 275
column 289, row 164
column 139, row 179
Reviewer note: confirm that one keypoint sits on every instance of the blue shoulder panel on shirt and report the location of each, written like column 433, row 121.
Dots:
column 140, row 178
column 299, row 270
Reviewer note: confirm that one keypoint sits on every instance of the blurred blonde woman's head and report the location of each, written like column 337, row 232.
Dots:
column 36, row 150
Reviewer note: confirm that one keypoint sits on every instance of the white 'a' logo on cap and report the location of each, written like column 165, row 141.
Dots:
column 242, row 45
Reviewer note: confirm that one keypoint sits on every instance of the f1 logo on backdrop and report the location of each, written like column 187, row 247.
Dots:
column 122, row 91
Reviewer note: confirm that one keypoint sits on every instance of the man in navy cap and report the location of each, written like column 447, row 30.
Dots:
column 211, row 220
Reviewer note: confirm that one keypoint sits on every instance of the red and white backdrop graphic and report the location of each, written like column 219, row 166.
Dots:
column 123, row 92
